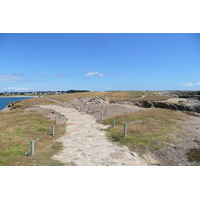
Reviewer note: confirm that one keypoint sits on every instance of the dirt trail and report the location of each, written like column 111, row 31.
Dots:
column 85, row 144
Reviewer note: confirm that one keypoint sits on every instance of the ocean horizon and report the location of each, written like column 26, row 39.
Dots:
column 5, row 101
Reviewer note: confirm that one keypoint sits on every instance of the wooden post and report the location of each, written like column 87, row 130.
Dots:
column 101, row 115
column 113, row 122
column 53, row 132
column 32, row 147
column 125, row 129
column 55, row 120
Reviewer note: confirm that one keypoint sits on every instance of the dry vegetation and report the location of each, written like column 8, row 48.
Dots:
column 125, row 95
column 72, row 96
column 21, row 125
column 34, row 102
column 113, row 96
column 146, row 129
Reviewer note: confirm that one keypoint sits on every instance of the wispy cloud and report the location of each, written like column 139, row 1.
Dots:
column 61, row 75
column 15, row 78
column 16, row 89
column 104, row 88
column 101, row 75
column 191, row 84
column 95, row 73
column 11, row 78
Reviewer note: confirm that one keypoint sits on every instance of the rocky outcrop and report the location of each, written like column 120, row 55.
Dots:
column 193, row 107
column 172, row 106
column 11, row 106
column 187, row 94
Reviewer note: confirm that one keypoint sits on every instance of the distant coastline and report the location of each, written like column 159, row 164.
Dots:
column 23, row 96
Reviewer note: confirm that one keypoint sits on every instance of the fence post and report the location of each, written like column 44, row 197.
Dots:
column 32, row 147
column 55, row 120
column 113, row 122
column 125, row 129
column 53, row 132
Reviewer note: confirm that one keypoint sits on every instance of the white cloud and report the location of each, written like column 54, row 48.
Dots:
column 95, row 73
column 91, row 73
column 17, row 89
column 191, row 84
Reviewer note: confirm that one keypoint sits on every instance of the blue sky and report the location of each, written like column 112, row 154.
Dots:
column 99, row 62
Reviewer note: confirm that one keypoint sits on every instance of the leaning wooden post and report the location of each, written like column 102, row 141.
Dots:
column 113, row 122
column 53, row 132
column 125, row 129
column 32, row 147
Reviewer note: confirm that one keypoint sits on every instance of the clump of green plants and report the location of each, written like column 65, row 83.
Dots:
column 194, row 154
column 146, row 129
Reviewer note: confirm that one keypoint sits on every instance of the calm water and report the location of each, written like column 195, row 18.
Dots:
column 5, row 101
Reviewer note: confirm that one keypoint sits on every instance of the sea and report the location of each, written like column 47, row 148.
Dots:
column 5, row 101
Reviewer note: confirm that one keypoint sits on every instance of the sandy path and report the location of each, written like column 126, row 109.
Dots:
column 85, row 144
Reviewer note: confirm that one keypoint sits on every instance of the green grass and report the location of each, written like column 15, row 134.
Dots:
column 20, row 126
column 146, row 129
